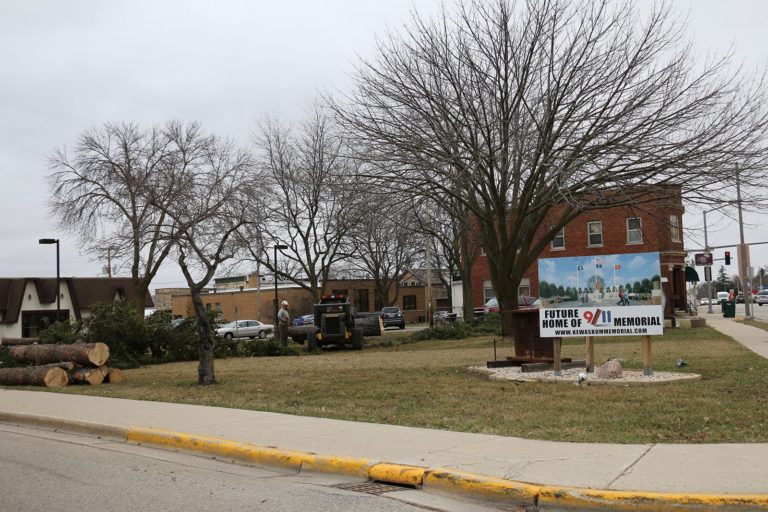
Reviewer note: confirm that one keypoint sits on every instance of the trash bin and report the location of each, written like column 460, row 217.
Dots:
column 528, row 342
column 729, row 309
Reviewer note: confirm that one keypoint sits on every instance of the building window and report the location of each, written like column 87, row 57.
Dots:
column 362, row 300
column 674, row 227
column 525, row 287
column 634, row 231
column 488, row 292
column 208, row 307
column 409, row 302
column 558, row 243
column 218, row 307
column 35, row 322
column 595, row 232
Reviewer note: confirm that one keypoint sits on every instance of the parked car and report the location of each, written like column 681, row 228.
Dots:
column 761, row 297
column 304, row 320
column 392, row 317
column 245, row 329
column 523, row 302
column 704, row 301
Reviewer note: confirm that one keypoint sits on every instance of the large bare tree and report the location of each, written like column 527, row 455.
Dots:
column 97, row 193
column 311, row 195
column 529, row 114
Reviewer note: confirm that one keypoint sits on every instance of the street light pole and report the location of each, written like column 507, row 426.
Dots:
column 49, row 241
column 274, row 262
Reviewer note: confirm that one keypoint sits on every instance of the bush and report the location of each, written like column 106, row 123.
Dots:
column 60, row 332
column 169, row 342
column 264, row 348
column 489, row 324
column 119, row 326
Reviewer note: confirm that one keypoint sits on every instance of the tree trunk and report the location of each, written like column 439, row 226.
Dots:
column 47, row 376
column 92, row 376
column 205, row 342
column 371, row 325
column 466, row 278
column 112, row 375
column 84, row 354
column 19, row 341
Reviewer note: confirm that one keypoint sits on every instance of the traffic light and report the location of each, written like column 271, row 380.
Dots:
column 727, row 257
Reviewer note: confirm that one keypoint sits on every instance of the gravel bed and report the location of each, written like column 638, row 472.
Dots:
column 571, row 376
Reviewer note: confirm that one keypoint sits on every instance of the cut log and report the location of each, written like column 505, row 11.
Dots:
column 114, row 375
column 372, row 325
column 64, row 365
column 92, row 376
column 84, row 354
column 48, row 376
column 299, row 333
column 19, row 341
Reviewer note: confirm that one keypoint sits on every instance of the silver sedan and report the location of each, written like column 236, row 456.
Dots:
column 245, row 329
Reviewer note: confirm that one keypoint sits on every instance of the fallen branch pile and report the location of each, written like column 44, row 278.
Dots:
column 59, row 365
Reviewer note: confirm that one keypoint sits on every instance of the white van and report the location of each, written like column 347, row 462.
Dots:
column 722, row 296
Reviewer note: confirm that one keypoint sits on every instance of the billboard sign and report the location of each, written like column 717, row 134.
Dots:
column 605, row 295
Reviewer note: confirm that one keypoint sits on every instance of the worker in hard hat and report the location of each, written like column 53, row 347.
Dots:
column 283, row 321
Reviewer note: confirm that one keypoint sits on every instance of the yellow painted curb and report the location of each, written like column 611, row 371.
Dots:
column 250, row 453
column 217, row 446
column 397, row 474
column 581, row 499
column 450, row 480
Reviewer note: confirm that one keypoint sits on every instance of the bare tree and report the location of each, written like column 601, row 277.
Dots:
column 97, row 194
column 383, row 244
column 528, row 115
column 311, row 197
column 455, row 246
column 213, row 201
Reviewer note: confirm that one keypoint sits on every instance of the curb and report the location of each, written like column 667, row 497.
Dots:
column 430, row 479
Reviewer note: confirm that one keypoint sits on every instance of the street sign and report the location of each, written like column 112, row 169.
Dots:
column 703, row 258
column 708, row 274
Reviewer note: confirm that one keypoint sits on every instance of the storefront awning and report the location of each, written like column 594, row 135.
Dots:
column 691, row 276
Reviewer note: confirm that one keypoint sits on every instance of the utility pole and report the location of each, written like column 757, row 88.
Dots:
column 709, row 283
column 109, row 261
column 743, row 254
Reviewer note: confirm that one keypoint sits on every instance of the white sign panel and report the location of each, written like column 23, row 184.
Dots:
column 601, row 321
column 601, row 295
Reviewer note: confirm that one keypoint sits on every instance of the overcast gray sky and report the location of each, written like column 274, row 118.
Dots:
column 66, row 66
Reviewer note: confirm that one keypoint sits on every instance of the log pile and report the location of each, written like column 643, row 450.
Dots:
column 58, row 365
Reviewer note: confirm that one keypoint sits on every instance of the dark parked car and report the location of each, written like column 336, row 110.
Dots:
column 304, row 320
column 392, row 317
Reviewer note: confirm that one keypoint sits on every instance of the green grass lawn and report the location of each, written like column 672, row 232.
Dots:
column 427, row 384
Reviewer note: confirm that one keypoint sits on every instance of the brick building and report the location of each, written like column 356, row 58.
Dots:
column 248, row 298
column 656, row 226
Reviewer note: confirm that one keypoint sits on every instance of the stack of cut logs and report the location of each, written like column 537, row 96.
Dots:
column 57, row 365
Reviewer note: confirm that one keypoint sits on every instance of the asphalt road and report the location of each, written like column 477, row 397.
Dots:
column 49, row 471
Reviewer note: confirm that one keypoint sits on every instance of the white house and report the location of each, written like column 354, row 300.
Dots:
column 28, row 304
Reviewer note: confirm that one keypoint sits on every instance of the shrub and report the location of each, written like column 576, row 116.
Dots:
column 119, row 326
column 264, row 348
column 60, row 332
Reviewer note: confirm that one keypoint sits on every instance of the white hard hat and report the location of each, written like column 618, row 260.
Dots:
column 285, row 303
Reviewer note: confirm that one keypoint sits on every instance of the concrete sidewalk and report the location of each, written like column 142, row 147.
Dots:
column 732, row 475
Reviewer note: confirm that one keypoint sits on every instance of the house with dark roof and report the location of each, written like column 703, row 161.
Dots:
column 29, row 304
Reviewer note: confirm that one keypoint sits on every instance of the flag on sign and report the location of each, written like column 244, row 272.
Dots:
column 617, row 267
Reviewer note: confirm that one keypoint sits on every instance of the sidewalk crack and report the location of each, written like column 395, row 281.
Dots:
column 628, row 469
